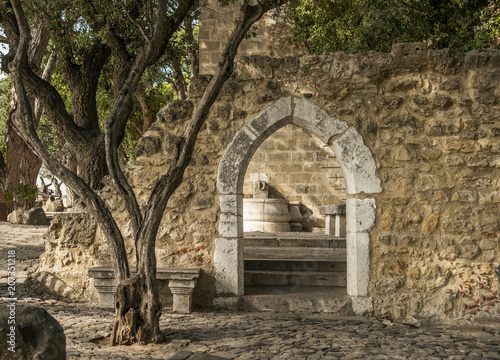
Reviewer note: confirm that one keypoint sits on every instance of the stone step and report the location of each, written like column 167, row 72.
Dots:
column 284, row 299
column 294, row 253
column 296, row 242
column 337, row 266
column 294, row 278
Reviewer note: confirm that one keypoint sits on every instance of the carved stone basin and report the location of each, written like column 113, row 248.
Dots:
column 269, row 215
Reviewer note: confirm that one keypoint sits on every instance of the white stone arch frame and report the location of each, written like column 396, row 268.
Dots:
column 360, row 174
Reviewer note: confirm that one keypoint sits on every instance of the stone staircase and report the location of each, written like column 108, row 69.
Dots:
column 295, row 272
column 294, row 259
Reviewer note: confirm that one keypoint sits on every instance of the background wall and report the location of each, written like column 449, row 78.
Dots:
column 432, row 122
column 269, row 36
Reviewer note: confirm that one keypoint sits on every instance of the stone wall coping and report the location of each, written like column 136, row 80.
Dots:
column 334, row 209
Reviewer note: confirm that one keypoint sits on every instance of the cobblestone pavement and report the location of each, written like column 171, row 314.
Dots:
column 222, row 335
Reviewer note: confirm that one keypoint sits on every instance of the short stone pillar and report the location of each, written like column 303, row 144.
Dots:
column 183, row 295
column 335, row 222
column 104, row 283
column 181, row 282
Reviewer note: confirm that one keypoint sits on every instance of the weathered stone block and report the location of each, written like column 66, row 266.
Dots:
column 357, row 162
column 316, row 120
column 35, row 216
column 272, row 118
column 358, row 263
column 37, row 335
column 360, row 215
column 228, row 261
column 232, row 166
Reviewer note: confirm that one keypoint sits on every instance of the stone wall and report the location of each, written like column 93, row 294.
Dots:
column 431, row 120
column 299, row 167
column 269, row 36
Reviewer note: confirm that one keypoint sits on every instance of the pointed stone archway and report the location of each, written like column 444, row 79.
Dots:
column 360, row 174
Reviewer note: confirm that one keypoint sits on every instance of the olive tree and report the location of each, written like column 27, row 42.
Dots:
column 137, row 303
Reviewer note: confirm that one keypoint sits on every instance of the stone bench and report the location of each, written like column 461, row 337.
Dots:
column 181, row 282
column 335, row 222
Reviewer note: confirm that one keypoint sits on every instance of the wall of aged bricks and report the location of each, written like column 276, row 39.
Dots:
column 300, row 168
column 432, row 122
column 269, row 36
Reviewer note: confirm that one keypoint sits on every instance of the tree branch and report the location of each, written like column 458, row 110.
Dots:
column 116, row 121
column 23, row 122
column 167, row 184
column 143, row 33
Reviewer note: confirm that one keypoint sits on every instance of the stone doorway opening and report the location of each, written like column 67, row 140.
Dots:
column 287, row 252
column 358, row 168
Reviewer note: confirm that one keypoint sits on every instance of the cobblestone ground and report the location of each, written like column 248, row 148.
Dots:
column 222, row 335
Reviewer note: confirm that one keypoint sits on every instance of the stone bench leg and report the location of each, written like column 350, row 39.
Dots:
column 182, row 292
column 106, row 289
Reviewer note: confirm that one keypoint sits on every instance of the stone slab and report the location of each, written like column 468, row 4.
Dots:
column 316, row 120
column 361, row 214
column 358, row 264
column 358, row 164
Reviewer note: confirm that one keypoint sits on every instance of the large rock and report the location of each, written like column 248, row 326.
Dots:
column 55, row 205
column 34, row 334
column 15, row 217
column 35, row 216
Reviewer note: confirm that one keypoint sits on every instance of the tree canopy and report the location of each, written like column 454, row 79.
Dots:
column 364, row 25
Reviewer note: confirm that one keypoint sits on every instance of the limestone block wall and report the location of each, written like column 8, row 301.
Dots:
column 269, row 36
column 431, row 120
column 299, row 167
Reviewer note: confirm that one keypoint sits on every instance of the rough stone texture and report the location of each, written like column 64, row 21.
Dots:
column 316, row 120
column 16, row 217
column 37, row 334
column 55, row 206
column 71, row 248
column 357, row 163
column 362, row 305
column 35, row 216
column 361, row 214
column 432, row 134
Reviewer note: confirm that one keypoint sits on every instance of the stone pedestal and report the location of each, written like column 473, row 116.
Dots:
column 180, row 281
column 335, row 222
column 182, row 290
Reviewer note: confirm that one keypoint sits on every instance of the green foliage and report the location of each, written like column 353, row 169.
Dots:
column 23, row 196
column 363, row 25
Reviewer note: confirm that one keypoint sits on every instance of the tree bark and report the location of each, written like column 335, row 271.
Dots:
column 192, row 45
column 180, row 82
